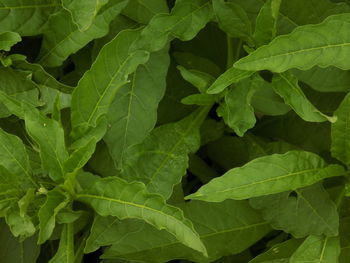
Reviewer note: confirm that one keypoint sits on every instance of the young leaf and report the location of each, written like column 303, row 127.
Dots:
column 133, row 112
column 268, row 175
column 230, row 76
column 113, row 196
column 49, row 136
column 304, row 212
column 63, row 38
column 8, row 39
column 307, row 46
column 201, row 80
column 162, row 159
column 185, row 20
column 142, row 243
column 317, row 249
column 83, row 12
column 286, row 85
column 95, row 91
column 265, row 29
column 236, row 110
column 340, row 147
column 55, row 201
column 25, row 17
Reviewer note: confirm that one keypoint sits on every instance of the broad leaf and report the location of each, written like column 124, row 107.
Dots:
column 307, row 46
column 303, row 212
column 268, row 175
column 63, row 38
column 142, row 11
column 317, row 249
column 113, row 196
column 95, row 92
column 340, row 147
column 8, row 39
column 162, row 159
column 133, row 112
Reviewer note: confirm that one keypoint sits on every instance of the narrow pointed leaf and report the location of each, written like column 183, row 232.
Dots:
column 113, row 196
column 307, row 46
column 95, row 91
column 286, row 85
column 65, row 251
column 268, row 175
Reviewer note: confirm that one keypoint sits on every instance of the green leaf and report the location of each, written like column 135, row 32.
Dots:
column 199, row 99
column 339, row 132
column 63, row 38
column 49, row 136
column 265, row 29
column 279, row 253
column 201, row 80
column 15, row 251
column 276, row 173
column 83, row 12
column 25, row 17
column 185, row 20
column 55, row 201
column 22, row 227
column 143, row 243
column 161, row 159
column 113, row 196
column 133, row 112
column 302, row 212
column 95, row 91
column 236, row 110
column 14, row 158
column 8, row 39
column 307, row 46
column 230, row 76
column 143, row 11
column 65, row 251
column 286, row 85
column 232, row 19
column 317, row 249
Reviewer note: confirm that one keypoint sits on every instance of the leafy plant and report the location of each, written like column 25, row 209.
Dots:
column 183, row 131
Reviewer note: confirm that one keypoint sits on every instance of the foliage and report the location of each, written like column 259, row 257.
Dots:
column 174, row 131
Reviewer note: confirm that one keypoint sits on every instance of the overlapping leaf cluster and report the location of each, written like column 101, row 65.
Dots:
column 188, row 130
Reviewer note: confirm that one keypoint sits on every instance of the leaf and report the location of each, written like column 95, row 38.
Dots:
column 22, row 227
column 112, row 196
column 89, row 100
column 303, row 212
column 8, row 39
column 339, row 132
column 199, row 99
column 25, row 17
column 286, row 85
column 317, row 249
column 230, row 76
column 277, row 173
column 143, row 11
column 49, row 136
column 266, row 22
column 232, row 19
column 161, row 160
column 65, row 251
column 55, row 201
column 15, row 251
column 63, row 38
column 305, row 47
column 201, row 80
column 279, row 253
column 185, row 20
column 133, row 112
column 236, row 110
column 83, row 12
column 14, row 158
column 132, row 240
